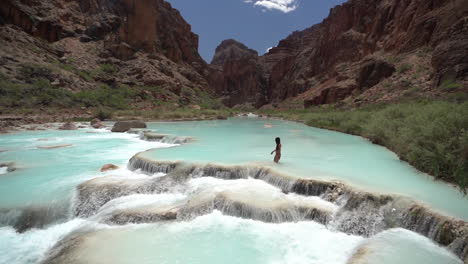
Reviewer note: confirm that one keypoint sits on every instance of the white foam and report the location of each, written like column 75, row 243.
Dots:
column 302, row 242
column 137, row 201
column 254, row 191
column 31, row 246
column 402, row 246
column 217, row 238
column 3, row 170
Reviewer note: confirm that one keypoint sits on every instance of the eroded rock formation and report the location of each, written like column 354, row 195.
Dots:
column 359, row 213
column 236, row 75
column 85, row 44
column 329, row 62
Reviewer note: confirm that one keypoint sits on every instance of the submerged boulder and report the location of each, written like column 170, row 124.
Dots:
column 109, row 167
column 124, row 126
column 55, row 146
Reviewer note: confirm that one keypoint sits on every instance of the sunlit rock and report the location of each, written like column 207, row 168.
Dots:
column 109, row 167
column 124, row 126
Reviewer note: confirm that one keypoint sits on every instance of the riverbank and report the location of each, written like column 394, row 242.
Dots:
column 32, row 120
column 431, row 136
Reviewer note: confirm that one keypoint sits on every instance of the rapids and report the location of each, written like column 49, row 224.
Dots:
column 208, row 192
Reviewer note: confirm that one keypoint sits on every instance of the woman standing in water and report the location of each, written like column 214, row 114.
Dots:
column 277, row 150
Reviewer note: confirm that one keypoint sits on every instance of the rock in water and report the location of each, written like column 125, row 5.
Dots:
column 124, row 126
column 109, row 167
column 10, row 166
column 96, row 123
column 68, row 126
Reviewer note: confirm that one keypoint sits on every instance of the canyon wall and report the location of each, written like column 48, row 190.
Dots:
column 359, row 40
column 144, row 43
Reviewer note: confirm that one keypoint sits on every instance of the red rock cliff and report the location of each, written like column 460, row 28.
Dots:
column 147, row 43
column 152, row 26
column 323, row 63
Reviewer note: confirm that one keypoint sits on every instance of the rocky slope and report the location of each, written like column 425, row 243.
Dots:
column 365, row 51
column 80, row 46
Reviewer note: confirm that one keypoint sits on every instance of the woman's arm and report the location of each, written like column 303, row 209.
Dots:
column 273, row 152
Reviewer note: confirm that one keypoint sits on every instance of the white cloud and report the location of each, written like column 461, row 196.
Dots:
column 285, row 6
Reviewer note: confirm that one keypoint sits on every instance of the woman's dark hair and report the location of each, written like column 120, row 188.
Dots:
column 278, row 141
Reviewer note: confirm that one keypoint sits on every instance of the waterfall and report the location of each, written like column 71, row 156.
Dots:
column 359, row 213
column 23, row 219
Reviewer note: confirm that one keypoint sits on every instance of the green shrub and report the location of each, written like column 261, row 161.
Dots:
column 404, row 68
column 118, row 98
column 39, row 93
column 394, row 59
column 32, row 72
column 85, row 75
column 412, row 91
column 108, row 68
column 103, row 114
column 450, row 85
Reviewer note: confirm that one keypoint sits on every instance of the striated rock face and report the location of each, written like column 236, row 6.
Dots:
column 328, row 62
column 449, row 58
column 149, row 25
column 155, row 27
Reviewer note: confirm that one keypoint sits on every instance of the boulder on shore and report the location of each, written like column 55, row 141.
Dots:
column 68, row 126
column 109, row 167
column 124, row 126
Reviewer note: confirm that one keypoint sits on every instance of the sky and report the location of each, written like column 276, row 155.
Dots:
column 259, row 24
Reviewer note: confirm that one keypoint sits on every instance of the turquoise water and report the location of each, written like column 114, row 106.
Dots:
column 48, row 177
column 310, row 153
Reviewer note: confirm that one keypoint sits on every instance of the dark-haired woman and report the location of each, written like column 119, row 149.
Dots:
column 277, row 150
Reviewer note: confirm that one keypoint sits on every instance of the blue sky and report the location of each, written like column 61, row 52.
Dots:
column 259, row 24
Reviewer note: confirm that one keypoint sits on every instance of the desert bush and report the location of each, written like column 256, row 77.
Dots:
column 39, row 93
column 450, row 85
column 404, row 68
column 431, row 136
column 103, row 114
column 32, row 72
column 108, row 68
column 118, row 98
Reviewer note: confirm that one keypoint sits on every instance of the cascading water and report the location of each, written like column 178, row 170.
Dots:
column 218, row 199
